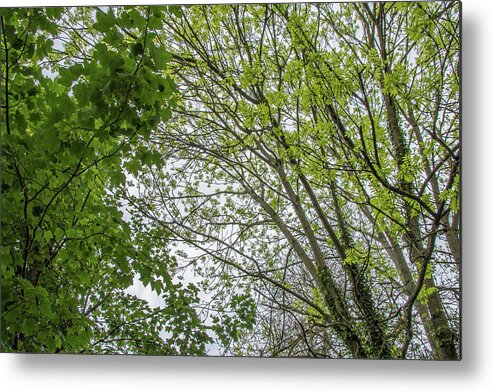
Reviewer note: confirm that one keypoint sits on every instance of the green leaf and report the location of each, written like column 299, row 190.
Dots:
column 78, row 147
column 28, row 326
column 49, row 140
column 84, row 277
column 105, row 21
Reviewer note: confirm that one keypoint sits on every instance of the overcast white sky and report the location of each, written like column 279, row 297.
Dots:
column 112, row 373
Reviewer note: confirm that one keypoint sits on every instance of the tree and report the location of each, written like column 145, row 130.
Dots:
column 312, row 166
column 299, row 163
column 82, row 89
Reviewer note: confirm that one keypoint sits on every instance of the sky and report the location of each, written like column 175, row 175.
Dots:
column 83, row 373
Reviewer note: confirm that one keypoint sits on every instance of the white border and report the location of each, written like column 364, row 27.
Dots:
column 118, row 373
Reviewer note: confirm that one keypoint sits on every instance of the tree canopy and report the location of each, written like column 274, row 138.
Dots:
column 285, row 177
column 82, row 90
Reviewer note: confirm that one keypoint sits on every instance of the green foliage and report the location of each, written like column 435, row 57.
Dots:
column 317, row 138
column 78, row 108
column 285, row 183
column 236, row 320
